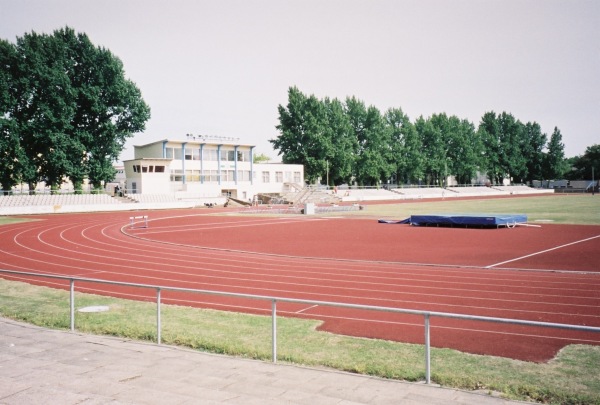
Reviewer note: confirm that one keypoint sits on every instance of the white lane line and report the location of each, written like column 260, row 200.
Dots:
column 306, row 309
column 543, row 251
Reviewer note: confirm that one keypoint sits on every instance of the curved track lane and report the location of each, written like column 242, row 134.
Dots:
column 342, row 260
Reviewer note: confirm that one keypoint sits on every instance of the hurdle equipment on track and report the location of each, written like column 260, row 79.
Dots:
column 144, row 219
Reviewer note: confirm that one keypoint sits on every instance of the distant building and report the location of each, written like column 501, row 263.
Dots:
column 206, row 169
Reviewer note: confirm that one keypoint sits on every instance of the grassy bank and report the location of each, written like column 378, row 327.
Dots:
column 580, row 209
column 571, row 378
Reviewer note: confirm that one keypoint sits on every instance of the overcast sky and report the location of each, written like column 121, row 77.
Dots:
column 222, row 67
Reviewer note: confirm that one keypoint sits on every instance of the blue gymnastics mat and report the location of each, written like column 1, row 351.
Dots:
column 463, row 220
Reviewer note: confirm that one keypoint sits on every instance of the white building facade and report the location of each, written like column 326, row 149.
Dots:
column 206, row 169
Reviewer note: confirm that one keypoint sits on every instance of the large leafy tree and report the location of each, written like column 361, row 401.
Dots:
column 503, row 139
column 463, row 149
column 350, row 142
column 489, row 133
column 43, row 110
column 340, row 160
column 406, row 154
column 303, row 139
column 512, row 159
column 586, row 166
column 73, row 109
column 373, row 152
column 451, row 146
column 431, row 132
column 533, row 150
column 554, row 165
column 110, row 108
column 11, row 152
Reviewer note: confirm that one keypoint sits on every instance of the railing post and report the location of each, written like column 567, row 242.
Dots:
column 158, row 325
column 72, row 304
column 427, row 351
column 274, row 330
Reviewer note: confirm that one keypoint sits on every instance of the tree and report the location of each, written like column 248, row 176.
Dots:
column 43, row 110
column 372, row 163
column 430, row 131
column 503, row 139
column 533, row 150
column 73, row 109
column 260, row 158
column 303, row 139
column 582, row 165
column 110, row 108
column 464, row 149
column 512, row 138
column 340, row 161
column 554, row 162
column 405, row 145
column 11, row 152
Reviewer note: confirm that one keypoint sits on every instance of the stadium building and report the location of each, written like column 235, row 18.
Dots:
column 202, row 167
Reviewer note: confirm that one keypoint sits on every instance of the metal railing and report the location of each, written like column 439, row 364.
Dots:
column 427, row 315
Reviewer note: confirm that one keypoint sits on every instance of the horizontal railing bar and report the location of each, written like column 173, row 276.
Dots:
column 320, row 303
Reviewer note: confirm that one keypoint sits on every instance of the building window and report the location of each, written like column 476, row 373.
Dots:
column 159, row 169
column 243, row 175
column 227, row 175
column 266, row 177
column 176, row 175
column 278, row 177
column 210, row 154
column 192, row 154
column 169, row 153
column 192, row 175
column 227, row 155
column 243, row 156
column 297, row 177
column 177, row 153
column 211, row 175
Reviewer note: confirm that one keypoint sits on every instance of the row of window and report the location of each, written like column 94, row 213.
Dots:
column 209, row 175
column 228, row 175
column 207, row 154
column 148, row 169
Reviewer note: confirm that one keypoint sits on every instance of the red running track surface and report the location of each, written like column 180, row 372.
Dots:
column 546, row 273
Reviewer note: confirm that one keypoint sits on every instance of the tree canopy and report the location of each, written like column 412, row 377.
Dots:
column 350, row 142
column 66, row 110
column 586, row 166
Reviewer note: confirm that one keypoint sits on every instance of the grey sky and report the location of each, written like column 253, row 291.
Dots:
column 222, row 67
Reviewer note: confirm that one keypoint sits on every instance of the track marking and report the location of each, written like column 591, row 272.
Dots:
column 306, row 309
column 542, row 251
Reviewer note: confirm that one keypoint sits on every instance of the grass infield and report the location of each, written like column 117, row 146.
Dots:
column 571, row 378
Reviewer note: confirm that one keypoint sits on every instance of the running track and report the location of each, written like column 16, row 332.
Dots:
column 547, row 274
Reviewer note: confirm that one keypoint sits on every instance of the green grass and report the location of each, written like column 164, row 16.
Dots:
column 12, row 220
column 570, row 378
column 557, row 208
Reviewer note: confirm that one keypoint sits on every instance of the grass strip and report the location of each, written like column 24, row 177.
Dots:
column 571, row 378
column 577, row 209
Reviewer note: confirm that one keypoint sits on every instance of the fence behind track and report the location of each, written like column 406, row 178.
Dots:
column 427, row 315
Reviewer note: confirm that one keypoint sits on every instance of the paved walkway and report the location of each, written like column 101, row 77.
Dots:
column 42, row 366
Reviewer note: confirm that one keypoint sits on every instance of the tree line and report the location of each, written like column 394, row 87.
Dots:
column 349, row 142
column 66, row 110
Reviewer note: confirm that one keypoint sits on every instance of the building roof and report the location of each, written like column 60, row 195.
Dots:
column 201, row 140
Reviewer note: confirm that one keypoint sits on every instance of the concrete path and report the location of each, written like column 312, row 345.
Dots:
column 42, row 366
